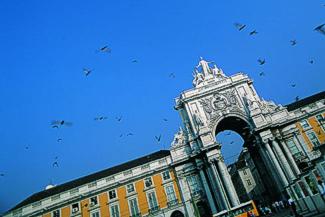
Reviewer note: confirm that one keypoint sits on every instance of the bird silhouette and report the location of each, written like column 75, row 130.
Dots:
column 232, row 142
column 228, row 134
column 293, row 42
column 2, row 174
column 165, row 119
column 129, row 134
column 55, row 164
column 239, row 26
column 261, row 61
column 121, row 135
column 158, row 138
column 105, row 49
column 172, row 75
column 261, row 74
column 59, row 140
column 320, row 29
column 61, row 123
column 311, row 61
column 55, row 126
column 119, row 118
column 254, row 32
column 100, row 118
column 86, row 71
column 134, row 61
column 293, row 85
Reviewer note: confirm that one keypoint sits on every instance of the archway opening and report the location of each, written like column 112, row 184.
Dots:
column 177, row 213
column 239, row 147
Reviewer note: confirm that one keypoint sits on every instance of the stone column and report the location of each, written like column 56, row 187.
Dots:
column 283, row 160
column 221, row 190
column 299, row 142
column 207, row 191
column 276, row 164
column 290, row 158
column 229, row 186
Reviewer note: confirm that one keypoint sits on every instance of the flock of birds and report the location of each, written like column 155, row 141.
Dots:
column 320, row 29
column 107, row 49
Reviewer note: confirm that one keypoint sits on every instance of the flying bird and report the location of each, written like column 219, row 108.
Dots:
column 293, row 85
column 121, row 135
column 320, row 29
column 228, row 134
column 311, row 61
column 129, row 134
column 239, row 26
column 172, row 75
column 100, row 118
column 105, row 49
column 55, row 164
column 158, row 138
column 134, row 61
column 61, row 123
column 232, row 142
column 261, row 74
column 2, row 174
column 87, row 71
column 165, row 119
column 261, row 61
column 253, row 32
column 55, row 126
column 59, row 140
column 293, row 42
column 119, row 118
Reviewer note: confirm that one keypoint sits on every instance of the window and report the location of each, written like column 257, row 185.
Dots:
column 303, row 188
column 148, row 182
column 194, row 185
column 321, row 121
column 153, row 204
column 304, row 124
column 112, row 194
column 95, row 214
column 248, row 182
column 311, row 184
column 134, row 209
column 298, row 191
column 75, row 207
column 171, row 197
column 115, row 211
column 166, row 175
column 93, row 201
column 245, row 172
column 130, row 188
column 313, row 138
column 56, row 213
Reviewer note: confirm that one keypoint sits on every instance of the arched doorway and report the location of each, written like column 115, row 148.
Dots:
column 177, row 213
column 247, row 169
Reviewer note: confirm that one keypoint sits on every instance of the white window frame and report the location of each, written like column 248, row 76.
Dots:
column 52, row 213
column 175, row 196
column 144, row 182
column 321, row 124
column 95, row 211
column 315, row 139
column 118, row 209
column 302, row 125
column 109, row 197
column 162, row 176
column 147, row 195
column 96, row 200
column 137, row 203
column 127, row 189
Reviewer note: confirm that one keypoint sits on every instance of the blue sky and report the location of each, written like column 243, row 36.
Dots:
column 45, row 44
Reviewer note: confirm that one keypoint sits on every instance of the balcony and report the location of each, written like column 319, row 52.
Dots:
column 154, row 210
column 172, row 203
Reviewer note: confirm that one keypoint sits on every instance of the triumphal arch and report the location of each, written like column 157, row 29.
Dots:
column 219, row 102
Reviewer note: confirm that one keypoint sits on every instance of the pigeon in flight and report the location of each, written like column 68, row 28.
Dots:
column 158, row 138
column 320, row 29
column 261, row 61
column 293, row 85
column 61, row 123
column 311, row 61
column 121, row 135
column 100, row 118
column 293, row 42
column 165, row 119
column 172, row 75
column 262, row 74
column 105, row 49
column 55, row 164
column 87, row 71
column 2, row 174
column 239, row 26
column 59, row 140
column 134, row 61
column 228, row 134
column 129, row 134
column 253, row 32
column 232, row 142
column 119, row 118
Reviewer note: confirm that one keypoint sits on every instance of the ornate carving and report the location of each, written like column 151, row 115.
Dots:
column 179, row 138
column 214, row 106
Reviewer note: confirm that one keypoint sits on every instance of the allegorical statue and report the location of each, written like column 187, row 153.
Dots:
column 205, row 67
